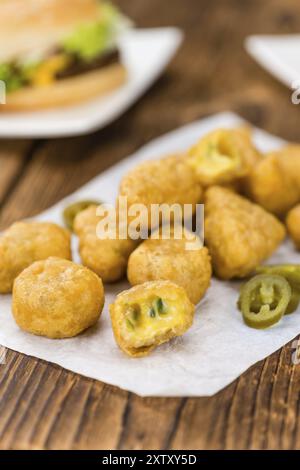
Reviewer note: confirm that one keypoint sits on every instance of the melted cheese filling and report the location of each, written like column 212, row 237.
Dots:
column 213, row 161
column 145, row 329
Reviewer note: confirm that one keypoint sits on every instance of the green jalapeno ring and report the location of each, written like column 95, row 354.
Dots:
column 72, row 210
column 291, row 272
column 294, row 303
column 264, row 299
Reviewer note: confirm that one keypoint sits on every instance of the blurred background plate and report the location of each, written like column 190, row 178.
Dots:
column 145, row 53
column 278, row 54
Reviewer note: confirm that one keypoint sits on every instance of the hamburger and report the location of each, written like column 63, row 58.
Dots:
column 59, row 52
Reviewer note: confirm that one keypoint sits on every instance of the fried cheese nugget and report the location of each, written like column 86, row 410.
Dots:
column 106, row 257
column 171, row 260
column 274, row 183
column 293, row 225
column 166, row 181
column 26, row 242
column 150, row 314
column 57, row 298
column 239, row 234
column 73, row 209
column 223, row 156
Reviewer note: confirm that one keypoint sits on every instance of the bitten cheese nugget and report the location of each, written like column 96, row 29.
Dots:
column 239, row 234
column 274, row 183
column 172, row 260
column 223, row 156
column 150, row 314
column 26, row 242
column 106, row 257
column 166, row 181
column 293, row 225
column 57, row 298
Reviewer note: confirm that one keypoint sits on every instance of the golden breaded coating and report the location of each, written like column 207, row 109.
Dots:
column 150, row 314
column 74, row 208
column 223, row 156
column 239, row 234
column 166, row 181
column 171, row 260
column 274, row 183
column 293, row 225
column 108, row 257
column 57, row 298
column 86, row 220
column 290, row 156
column 26, row 242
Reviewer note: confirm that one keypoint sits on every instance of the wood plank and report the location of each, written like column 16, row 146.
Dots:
column 149, row 422
column 43, row 406
column 13, row 158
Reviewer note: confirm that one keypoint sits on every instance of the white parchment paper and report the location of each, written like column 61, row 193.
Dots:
column 216, row 350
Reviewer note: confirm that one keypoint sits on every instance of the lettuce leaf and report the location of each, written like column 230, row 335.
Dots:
column 12, row 77
column 89, row 40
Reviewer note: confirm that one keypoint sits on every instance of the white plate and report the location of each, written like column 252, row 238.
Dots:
column 278, row 54
column 219, row 346
column 145, row 53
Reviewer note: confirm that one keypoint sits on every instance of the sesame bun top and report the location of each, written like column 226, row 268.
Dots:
column 31, row 27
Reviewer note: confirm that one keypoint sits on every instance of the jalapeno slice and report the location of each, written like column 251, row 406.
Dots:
column 132, row 316
column 291, row 272
column 264, row 299
column 158, row 307
column 72, row 210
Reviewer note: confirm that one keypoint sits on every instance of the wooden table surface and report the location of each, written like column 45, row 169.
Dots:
column 43, row 406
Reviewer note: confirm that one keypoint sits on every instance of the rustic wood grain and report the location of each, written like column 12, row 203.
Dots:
column 45, row 407
column 13, row 159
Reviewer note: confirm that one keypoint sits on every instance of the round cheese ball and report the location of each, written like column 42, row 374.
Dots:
column 26, row 242
column 170, row 260
column 57, row 298
column 150, row 314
